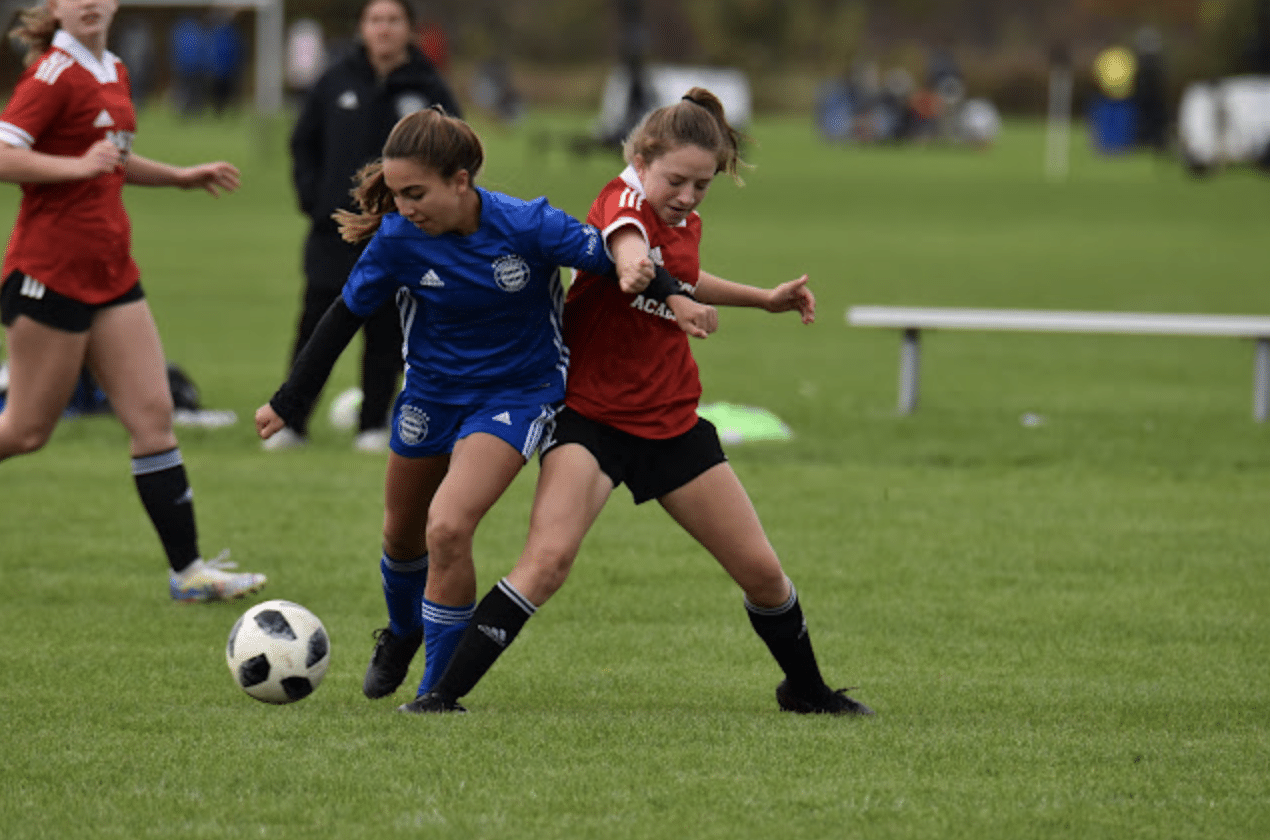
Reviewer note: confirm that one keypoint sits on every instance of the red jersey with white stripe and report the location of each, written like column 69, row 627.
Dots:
column 74, row 237
column 630, row 365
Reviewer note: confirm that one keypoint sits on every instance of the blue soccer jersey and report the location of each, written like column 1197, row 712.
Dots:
column 481, row 313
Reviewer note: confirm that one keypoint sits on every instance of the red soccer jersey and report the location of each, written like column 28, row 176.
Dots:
column 73, row 237
column 629, row 362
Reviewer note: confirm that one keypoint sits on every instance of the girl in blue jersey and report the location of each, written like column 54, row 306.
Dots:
column 476, row 278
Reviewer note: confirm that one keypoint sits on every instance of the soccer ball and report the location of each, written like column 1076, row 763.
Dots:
column 345, row 409
column 278, row 652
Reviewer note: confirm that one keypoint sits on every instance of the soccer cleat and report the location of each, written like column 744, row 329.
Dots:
column 829, row 702
column 284, row 438
column 209, row 580
column 431, row 704
column 390, row 661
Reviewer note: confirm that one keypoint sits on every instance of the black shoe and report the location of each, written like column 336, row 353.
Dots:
column 390, row 661
column 431, row 703
column 829, row 702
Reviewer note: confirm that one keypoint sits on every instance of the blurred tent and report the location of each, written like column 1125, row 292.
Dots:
column 1225, row 122
column 665, row 84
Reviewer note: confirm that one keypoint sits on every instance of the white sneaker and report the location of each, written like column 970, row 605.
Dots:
column 208, row 580
column 284, row 438
column 371, row 440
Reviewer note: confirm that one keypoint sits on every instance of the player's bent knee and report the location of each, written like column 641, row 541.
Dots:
column 448, row 536
column 549, row 566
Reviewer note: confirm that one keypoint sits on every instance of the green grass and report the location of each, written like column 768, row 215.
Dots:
column 1063, row 627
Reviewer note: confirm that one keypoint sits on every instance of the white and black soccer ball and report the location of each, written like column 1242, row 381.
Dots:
column 278, row 652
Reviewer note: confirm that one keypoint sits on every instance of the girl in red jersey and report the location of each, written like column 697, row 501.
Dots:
column 69, row 291
column 630, row 412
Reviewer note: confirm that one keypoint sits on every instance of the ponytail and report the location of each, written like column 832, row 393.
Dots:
column 36, row 27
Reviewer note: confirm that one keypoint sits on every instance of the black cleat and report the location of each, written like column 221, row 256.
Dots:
column 829, row 702
column 390, row 661
column 431, row 704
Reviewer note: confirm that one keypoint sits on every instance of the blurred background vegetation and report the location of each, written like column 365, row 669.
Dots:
column 560, row 51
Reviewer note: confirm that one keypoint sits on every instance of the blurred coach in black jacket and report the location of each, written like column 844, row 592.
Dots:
column 345, row 118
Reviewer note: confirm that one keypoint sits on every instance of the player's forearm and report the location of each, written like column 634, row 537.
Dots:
column 145, row 172
column 26, row 166
column 719, row 292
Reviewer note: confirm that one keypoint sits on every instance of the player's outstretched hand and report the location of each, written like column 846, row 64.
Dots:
column 634, row 277
column 794, row 295
column 696, row 319
column 216, row 178
column 268, row 423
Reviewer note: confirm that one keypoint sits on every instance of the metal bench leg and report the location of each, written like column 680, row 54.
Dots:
column 1261, row 381
column 910, row 370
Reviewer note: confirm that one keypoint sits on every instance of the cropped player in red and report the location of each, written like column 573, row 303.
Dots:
column 69, row 292
column 630, row 412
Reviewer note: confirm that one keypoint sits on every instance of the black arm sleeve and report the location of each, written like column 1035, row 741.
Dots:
column 663, row 286
column 314, row 362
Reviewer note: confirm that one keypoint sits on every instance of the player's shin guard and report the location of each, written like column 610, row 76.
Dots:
column 442, row 628
column 404, row 582
column 784, row 630
column 498, row 619
column 169, row 502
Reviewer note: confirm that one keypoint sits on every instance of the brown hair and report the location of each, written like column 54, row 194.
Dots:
column 695, row 120
column 36, row 27
column 432, row 139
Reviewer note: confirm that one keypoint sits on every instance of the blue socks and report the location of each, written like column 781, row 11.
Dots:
column 403, row 592
column 442, row 628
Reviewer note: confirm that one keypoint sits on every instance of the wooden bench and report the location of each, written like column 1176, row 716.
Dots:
column 912, row 320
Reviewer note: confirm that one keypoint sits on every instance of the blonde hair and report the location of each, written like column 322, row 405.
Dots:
column 431, row 138
column 36, row 27
column 695, row 120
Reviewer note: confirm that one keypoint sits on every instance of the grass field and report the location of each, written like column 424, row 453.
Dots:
column 1064, row 627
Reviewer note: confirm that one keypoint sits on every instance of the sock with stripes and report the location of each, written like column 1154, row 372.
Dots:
column 784, row 630
column 442, row 628
column 498, row 619
column 403, row 592
column 166, row 495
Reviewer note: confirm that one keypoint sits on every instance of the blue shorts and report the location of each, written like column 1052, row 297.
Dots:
column 421, row 428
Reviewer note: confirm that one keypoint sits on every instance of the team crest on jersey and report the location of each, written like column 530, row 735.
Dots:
column 511, row 273
column 412, row 425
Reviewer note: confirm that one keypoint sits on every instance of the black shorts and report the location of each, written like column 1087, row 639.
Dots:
column 23, row 295
column 650, row 468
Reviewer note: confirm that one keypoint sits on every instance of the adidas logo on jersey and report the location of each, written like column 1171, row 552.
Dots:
column 504, row 418
column 103, row 120
column 431, row 280
column 630, row 199
column 496, row 634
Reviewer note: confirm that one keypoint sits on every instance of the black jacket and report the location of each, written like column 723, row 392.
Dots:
column 345, row 119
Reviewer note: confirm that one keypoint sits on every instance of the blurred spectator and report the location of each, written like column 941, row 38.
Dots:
column 435, row 46
column 224, row 58
column 1150, row 90
column 188, row 50
column 494, row 90
column 134, row 44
